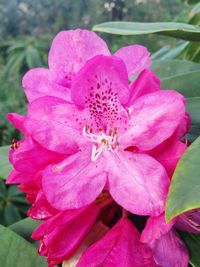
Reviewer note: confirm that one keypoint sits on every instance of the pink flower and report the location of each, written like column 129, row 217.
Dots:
column 119, row 247
column 69, row 52
column 168, row 249
column 96, row 129
column 62, row 234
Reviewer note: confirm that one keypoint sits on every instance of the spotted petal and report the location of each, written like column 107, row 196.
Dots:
column 101, row 87
column 69, row 52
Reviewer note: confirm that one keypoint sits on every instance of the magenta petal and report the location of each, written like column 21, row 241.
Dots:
column 37, row 83
column 25, row 158
column 170, row 251
column 189, row 221
column 69, row 52
column 136, row 58
column 102, row 78
column 146, row 83
column 16, row 177
column 41, row 209
column 169, row 153
column 155, row 228
column 61, row 240
column 137, row 182
column 119, row 247
column 56, row 124
column 18, row 121
column 184, row 126
column 154, row 118
column 76, row 181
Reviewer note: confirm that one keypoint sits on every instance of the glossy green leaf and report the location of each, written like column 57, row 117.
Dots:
column 184, row 192
column 17, row 252
column 25, row 227
column 5, row 166
column 193, row 107
column 183, row 76
column 173, row 29
column 193, row 244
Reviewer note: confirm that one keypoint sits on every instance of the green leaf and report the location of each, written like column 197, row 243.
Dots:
column 184, row 192
column 33, row 57
column 193, row 107
column 17, row 252
column 3, row 191
column 196, row 9
column 192, row 2
column 11, row 214
column 183, row 76
column 5, row 166
column 193, row 244
column 173, row 29
column 25, row 227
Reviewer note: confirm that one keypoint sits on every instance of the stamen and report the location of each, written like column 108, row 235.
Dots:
column 101, row 141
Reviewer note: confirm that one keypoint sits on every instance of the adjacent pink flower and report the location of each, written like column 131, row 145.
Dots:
column 61, row 235
column 119, row 247
column 168, row 249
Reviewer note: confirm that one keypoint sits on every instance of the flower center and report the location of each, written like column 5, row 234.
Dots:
column 101, row 141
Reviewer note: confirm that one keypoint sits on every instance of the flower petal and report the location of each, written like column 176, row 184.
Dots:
column 147, row 82
column 155, row 228
column 189, row 221
column 153, row 119
column 25, row 158
column 63, row 240
column 56, row 124
column 169, row 153
column 102, row 75
column 69, row 52
column 137, row 182
column 100, row 87
column 17, row 121
column 37, row 83
column 41, row 209
column 75, row 182
column 170, row 251
column 136, row 58
column 119, row 247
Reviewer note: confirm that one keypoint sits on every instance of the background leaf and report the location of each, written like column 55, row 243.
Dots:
column 193, row 244
column 17, row 252
column 184, row 192
column 193, row 107
column 25, row 227
column 173, row 29
column 180, row 75
column 5, row 166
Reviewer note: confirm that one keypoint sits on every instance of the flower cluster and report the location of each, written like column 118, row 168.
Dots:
column 101, row 142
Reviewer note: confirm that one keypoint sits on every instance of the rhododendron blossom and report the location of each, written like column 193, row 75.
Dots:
column 99, row 148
